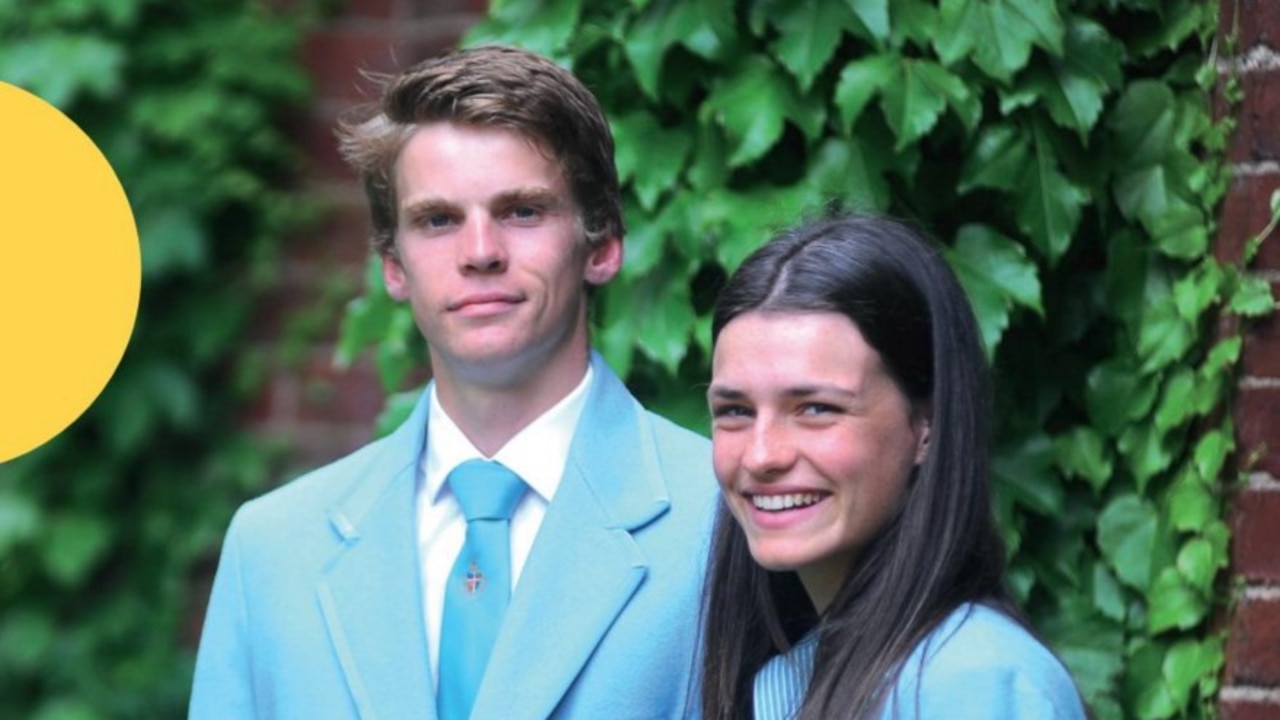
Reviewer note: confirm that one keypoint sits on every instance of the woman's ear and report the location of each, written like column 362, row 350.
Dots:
column 921, row 424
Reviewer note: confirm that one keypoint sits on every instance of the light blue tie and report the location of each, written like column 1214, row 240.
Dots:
column 480, row 584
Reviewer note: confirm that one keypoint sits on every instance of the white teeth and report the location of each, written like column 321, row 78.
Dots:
column 774, row 503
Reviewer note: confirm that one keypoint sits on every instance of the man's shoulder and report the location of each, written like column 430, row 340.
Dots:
column 314, row 492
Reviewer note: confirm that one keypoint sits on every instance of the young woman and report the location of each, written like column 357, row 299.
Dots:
column 857, row 571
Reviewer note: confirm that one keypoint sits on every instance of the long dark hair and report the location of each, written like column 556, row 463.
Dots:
column 941, row 550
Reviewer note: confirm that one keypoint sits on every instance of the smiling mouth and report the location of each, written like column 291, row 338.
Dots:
column 789, row 501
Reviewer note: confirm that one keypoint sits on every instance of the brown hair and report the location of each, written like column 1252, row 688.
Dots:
column 489, row 86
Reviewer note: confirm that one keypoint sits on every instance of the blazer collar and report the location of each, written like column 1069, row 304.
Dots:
column 585, row 565
column 370, row 595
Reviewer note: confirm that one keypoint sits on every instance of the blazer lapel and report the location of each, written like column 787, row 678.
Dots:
column 584, row 566
column 370, row 593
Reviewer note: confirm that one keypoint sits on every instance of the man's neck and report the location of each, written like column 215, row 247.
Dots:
column 490, row 415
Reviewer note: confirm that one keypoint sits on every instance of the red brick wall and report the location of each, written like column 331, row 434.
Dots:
column 1251, row 683
column 319, row 412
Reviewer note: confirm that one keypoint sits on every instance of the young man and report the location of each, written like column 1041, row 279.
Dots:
column 354, row 591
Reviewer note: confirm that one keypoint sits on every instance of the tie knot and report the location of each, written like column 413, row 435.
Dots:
column 486, row 490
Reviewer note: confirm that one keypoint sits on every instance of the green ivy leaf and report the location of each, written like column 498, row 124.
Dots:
column 1164, row 336
column 1211, row 453
column 1108, row 596
column 915, row 99
column 914, row 22
column 853, row 171
column 1223, row 355
column 1253, row 298
column 397, row 410
column 1048, row 211
column 874, row 15
column 808, row 32
column 998, row 34
column 1177, row 404
column 1090, row 645
column 543, row 26
column 1197, row 564
column 741, row 222
column 1082, row 453
column 999, row 160
column 1187, row 664
column 73, row 544
column 996, row 275
column 1171, row 603
column 666, row 318
column 861, row 80
column 1143, row 123
column 1115, row 393
column 1073, row 86
column 1026, row 471
column 1129, row 537
column 1191, row 505
column 1147, row 452
column 59, row 67
column 649, row 155
column 752, row 107
column 19, row 519
column 26, row 639
column 646, row 43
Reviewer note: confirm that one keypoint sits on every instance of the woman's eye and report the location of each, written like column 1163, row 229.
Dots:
column 730, row 411
column 818, row 409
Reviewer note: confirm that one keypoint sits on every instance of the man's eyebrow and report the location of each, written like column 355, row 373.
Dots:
column 425, row 205
column 532, row 194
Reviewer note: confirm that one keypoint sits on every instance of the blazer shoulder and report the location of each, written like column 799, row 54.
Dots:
column 981, row 654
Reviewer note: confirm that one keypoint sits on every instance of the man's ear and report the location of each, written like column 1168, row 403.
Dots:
column 604, row 261
column 394, row 277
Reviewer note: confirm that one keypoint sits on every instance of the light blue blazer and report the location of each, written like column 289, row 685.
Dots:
column 316, row 610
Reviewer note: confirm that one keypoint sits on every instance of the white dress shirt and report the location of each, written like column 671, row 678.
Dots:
column 537, row 454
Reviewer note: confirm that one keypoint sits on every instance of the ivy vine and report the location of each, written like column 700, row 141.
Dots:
column 107, row 531
column 1064, row 153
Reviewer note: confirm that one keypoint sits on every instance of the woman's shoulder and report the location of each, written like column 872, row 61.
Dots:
column 981, row 663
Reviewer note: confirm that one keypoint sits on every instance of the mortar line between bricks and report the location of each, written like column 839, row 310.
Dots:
column 1259, row 383
column 1259, row 58
column 1262, row 481
column 1262, row 592
column 1255, row 169
column 1250, row 693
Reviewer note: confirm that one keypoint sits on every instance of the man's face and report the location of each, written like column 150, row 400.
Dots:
column 490, row 255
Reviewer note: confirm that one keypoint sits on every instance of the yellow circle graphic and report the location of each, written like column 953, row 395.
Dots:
column 70, row 272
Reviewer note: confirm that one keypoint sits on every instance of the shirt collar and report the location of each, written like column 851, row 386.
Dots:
column 538, row 453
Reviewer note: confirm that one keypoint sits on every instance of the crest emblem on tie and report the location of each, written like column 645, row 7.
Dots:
column 475, row 580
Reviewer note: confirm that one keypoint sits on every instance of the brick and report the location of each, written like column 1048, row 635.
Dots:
column 1256, row 138
column 340, row 234
column 1241, row 709
column 1253, row 645
column 1246, row 210
column 1258, row 426
column 335, row 57
column 1259, row 22
column 1255, row 550
column 316, row 138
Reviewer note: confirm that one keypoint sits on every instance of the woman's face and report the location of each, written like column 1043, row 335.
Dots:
column 813, row 442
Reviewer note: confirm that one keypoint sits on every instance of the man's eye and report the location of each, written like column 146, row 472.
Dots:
column 818, row 409
column 436, row 220
column 525, row 212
